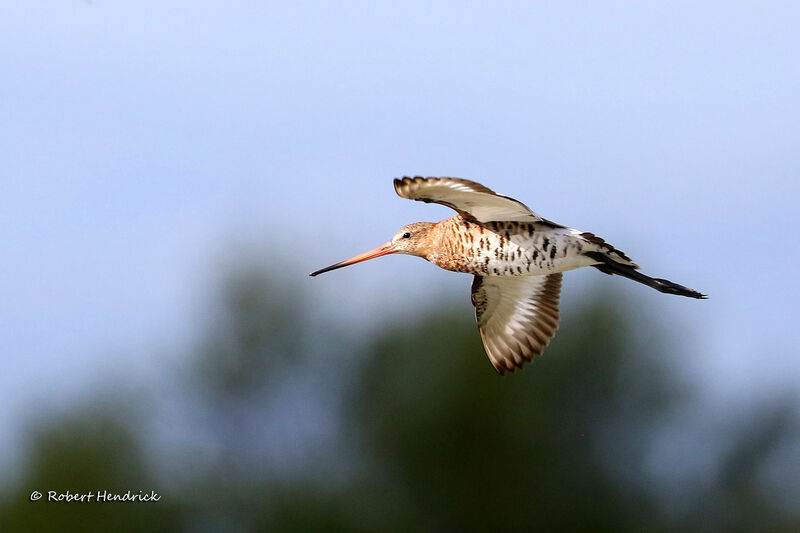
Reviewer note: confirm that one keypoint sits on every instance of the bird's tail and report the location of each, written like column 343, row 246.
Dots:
column 610, row 266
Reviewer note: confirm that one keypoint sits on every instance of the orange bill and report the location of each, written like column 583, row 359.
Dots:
column 386, row 249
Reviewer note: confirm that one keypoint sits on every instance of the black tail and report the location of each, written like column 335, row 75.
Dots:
column 609, row 266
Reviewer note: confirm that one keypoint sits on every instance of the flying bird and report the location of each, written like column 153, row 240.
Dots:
column 516, row 256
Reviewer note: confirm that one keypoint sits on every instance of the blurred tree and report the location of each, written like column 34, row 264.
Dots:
column 93, row 447
column 458, row 447
column 733, row 500
column 256, row 331
column 430, row 437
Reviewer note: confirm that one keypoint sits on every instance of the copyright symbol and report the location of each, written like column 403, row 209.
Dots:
column 36, row 495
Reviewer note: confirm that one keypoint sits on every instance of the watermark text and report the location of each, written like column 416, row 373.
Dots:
column 101, row 496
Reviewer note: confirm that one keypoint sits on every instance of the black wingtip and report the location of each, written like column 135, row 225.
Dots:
column 608, row 265
column 671, row 287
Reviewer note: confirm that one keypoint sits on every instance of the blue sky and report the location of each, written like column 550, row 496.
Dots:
column 143, row 142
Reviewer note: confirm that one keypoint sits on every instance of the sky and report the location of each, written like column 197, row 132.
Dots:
column 144, row 145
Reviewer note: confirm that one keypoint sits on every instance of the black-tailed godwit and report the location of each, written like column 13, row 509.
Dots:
column 516, row 256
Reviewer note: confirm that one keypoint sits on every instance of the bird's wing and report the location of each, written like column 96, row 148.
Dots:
column 517, row 316
column 471, row 199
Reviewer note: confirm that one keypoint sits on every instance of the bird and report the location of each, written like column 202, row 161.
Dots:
column 516, row 257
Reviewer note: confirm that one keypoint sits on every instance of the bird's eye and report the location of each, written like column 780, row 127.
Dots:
column 406, row 235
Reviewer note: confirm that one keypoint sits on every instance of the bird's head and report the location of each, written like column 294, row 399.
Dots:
column 413, row 239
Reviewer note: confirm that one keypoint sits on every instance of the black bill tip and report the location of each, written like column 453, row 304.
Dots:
column 327, row 269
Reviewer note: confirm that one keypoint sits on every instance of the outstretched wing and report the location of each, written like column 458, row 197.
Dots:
column 517, row 316
column 472, row 200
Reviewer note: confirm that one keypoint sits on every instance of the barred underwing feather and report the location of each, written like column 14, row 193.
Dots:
column 517, row 316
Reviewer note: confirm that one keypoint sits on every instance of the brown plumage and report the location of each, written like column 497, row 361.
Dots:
column 516, row 256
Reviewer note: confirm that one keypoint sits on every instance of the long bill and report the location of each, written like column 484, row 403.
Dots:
column 385, row 249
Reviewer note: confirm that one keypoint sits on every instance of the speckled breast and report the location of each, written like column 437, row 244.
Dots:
column 507, row 248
